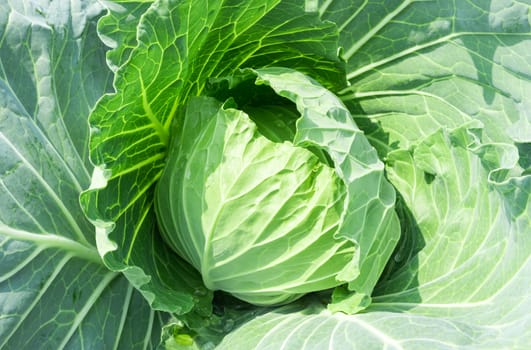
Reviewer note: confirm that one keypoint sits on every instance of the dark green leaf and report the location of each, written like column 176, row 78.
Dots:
column 180, row 45
column 54, row 290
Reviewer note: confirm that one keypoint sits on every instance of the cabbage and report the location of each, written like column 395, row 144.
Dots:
column 262, row 217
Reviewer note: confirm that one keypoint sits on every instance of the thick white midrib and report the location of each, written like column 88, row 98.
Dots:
column 67, row 214
column 294, row 331
column 369, row 94
column 467, row 305
column 447, row 38
column 363, row 40
column 387, row 340
column 125, row 310
column 353, row 16
column 325, row 5
column 274, row 329
column 47, row 240
column 333, row 335
column 93, row 298
column 147, row 338
column 401, row 54
column 321, row 325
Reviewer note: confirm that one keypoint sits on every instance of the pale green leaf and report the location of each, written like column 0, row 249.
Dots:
column 435, row 63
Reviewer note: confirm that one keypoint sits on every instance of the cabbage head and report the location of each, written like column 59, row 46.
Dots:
column 264, row 190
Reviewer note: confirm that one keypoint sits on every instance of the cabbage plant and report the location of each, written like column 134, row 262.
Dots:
column 269, row 205
column 250, row 174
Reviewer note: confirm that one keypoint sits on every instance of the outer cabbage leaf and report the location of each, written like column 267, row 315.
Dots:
column 54, row 290
column 184, row 42
column 477, row 215
column 368, row 218
column 414, row 66
column 468, row 287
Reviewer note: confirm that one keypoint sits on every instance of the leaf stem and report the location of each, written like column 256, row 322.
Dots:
column 48, row 240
